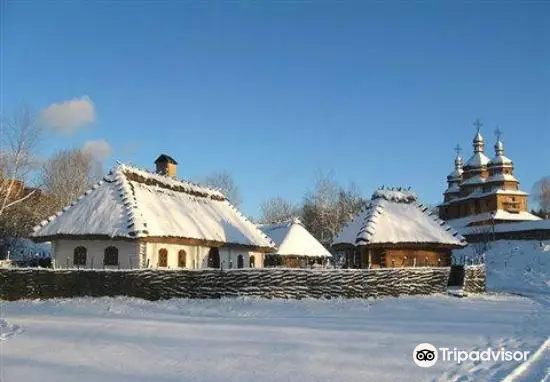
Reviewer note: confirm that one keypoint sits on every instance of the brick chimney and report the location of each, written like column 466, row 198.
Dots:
column 166, row 165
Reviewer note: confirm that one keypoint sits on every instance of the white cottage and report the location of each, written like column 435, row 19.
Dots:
column 296, row 246
column 137, row 219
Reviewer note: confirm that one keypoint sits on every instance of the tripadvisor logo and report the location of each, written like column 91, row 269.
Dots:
column 426, row 355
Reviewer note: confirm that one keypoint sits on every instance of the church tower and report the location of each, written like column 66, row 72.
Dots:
column 454, row 178
column 475, row 169
column 484, row 191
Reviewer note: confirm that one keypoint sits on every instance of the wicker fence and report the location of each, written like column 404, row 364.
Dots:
column 474, row 278
column 29, row 283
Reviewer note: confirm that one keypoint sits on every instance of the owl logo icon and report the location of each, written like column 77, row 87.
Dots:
column 425, row 355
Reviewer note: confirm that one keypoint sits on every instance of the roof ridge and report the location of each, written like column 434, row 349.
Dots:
column 135, row 227
column 174, row 184
column 371, row 218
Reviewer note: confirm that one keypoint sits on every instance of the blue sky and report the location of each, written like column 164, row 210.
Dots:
column 375, row 92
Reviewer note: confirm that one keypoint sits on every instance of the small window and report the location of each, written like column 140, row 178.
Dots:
column 79, row 256
column 252, row 263
column 182, row 259
column 163, row 257
column 110, row 256
column 240, row 261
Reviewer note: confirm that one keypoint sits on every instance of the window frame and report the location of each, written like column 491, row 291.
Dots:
column 111, row 251
column 162, row 261
column 182, row 254
column 82, row 256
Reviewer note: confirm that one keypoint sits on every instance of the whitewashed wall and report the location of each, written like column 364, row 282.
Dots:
column 129, row 254
column 229, row 257
column 63, row 251
column 197, row 256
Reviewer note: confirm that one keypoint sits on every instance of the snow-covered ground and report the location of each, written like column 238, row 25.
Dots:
column 124, row 339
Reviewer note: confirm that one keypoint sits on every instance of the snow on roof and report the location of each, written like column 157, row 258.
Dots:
column 527, row 225
column 292, row 238
column 476, row 179
column 452, row 189
column 500, row 160
column 133, row 203
column 455, row 174
column 481, row 194
column 165, row 158
column 501, row 177
column 479, row 159
column 394, row 217
column 487, row 216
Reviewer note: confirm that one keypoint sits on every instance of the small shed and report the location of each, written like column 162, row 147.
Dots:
column 395, row 230
column 297, row 248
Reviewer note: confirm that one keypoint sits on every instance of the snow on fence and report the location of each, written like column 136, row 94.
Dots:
column 28, row 283
column 474, row 278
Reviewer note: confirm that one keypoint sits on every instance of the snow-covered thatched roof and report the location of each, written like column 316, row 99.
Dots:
column 293, row 239
column 134, row 203
column 394, row 216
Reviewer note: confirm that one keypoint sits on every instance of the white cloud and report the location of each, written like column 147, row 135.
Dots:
column 99, row 149
column 69, row 116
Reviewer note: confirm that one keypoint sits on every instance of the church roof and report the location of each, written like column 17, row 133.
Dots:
column 501, row 178
column 500, row 160
column 134, row 203
column 292, row 238
column 476, row 194
column 476, row 179
column 498, row 215
column 477, row 160
column 395, row 217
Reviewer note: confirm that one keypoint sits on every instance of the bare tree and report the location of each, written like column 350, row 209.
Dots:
column 68, row 174
column 19, row 139
column 541, row 193
column 277, row 209
column 329, row 207
column 226, row 184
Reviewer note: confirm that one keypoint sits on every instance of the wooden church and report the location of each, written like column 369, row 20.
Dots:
column 484, row 190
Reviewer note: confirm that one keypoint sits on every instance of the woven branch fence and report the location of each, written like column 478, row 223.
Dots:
column 149, row 284
column 474, row 278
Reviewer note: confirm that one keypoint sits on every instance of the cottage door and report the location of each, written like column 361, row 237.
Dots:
column 213, row 258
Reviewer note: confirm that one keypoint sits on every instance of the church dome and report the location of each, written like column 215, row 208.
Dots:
column 478, row 138
column 500, row 159
column 479, row 159
column 457, row 172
